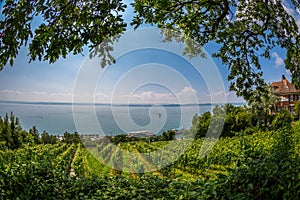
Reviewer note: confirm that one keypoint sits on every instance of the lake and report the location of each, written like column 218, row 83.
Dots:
column 57, row 118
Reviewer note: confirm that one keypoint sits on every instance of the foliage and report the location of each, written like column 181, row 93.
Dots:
column 165, row 136
column 46, row 138
column 297, row 110
column 246, row 31
column 35, row 133
column 262, row 103
column 23, row 170
column 264, row 165
column 168, row 135
column 66, row 27
column 77, row 163
column 282, row 118
column 123, row 138
column 12, row 136
column 71, row 138
column 260, row 165
column 237, row 119
column 296, row 137
column 200, row 125
column 273, row 176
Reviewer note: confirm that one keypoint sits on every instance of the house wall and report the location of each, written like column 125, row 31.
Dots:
column 287, row 101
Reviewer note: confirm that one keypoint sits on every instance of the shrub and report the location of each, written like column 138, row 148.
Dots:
column 282, row 119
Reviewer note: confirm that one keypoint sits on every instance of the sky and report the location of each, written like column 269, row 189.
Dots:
column 140, row 75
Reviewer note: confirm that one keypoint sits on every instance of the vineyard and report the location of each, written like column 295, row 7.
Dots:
column 264, row 165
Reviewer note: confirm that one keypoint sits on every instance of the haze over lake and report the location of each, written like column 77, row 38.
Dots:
column 57, row 118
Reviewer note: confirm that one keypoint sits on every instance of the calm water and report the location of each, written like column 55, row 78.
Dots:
column 58, row 118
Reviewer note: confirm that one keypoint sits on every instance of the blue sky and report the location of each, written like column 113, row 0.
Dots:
column 40, row 81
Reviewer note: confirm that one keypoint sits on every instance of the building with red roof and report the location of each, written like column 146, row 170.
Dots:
column 287, row 95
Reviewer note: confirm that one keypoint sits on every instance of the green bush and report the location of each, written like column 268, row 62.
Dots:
column 273, row 176
column 282, row 119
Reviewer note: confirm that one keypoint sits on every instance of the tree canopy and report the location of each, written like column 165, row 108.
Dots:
column 246, row 31
column 67, row 26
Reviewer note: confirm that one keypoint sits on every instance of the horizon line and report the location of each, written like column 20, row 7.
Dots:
column 116, row 104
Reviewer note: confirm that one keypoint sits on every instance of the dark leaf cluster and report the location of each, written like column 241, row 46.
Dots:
column 246, row 32
column 53, row 29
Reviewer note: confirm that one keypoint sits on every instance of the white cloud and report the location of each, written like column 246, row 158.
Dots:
column 185, row 96
column 39, row 93
column 232, row 98
column 278, row 60
column 35, row 96
column 220, row 96
column 101, row 96
column 215, row 94
column 152, row 97
column 288, row 72
column 11, row 92
column 61, row 94
column 187, row 91
column 293, row 12
column 188, row 95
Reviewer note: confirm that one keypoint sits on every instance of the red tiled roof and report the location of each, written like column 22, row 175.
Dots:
column 284, row 87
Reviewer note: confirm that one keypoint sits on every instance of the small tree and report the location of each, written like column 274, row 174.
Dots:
column 48, row 139
column 200, row 125
column 71, row 138
column 35, row 134
column 11, row 133
column 262, row 102
column 169, row 135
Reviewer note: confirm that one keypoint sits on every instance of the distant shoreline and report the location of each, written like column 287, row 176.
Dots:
column 117, row 104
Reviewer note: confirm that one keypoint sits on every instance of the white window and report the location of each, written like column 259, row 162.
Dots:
column 284, row 99
column 292, row 110
column 291, row 97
